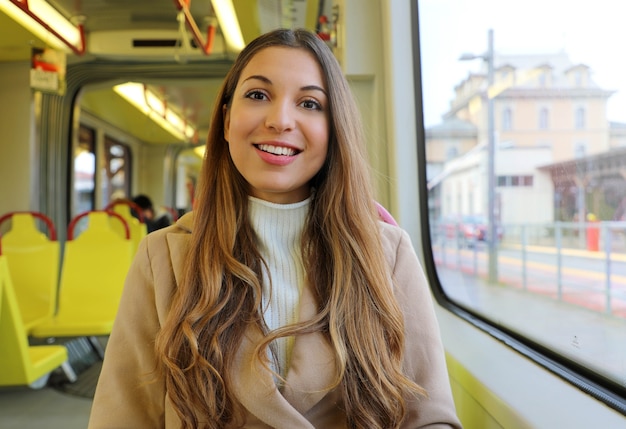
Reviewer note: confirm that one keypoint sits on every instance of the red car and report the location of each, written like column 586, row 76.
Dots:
column 468, row 229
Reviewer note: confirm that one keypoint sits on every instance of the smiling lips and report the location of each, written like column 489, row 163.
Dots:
column 277, row 150
column 276, row 155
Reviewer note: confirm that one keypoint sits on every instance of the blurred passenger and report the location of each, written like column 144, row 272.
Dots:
column 149, row 216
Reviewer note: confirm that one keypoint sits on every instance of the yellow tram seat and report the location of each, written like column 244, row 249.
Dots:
column 33, row 262
column 21, row 364
column 92, row 278
column 138, row 229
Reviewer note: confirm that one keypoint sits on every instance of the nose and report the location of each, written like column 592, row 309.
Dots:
column 280, row 116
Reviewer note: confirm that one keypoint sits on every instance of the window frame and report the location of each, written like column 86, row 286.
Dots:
column 601, row 388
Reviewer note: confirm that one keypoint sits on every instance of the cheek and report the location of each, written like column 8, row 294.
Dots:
column 239, row 124
column 324, row 147
column 320, row 137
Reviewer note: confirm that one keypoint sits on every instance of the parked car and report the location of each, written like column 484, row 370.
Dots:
column 468, row 229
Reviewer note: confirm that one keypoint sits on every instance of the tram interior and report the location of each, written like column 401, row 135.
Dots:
column 156, row 32
column 517, row 356
column 161, row 35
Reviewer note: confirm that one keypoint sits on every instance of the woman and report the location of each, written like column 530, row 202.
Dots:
column 281, row 301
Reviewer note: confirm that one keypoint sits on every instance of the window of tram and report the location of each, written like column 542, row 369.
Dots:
column 116, row 171
column 188, row 165
column 84, row 170
column 528, row 219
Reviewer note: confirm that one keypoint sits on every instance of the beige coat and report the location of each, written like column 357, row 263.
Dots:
column 125, row 397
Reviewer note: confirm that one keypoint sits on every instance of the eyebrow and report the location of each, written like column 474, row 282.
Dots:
column 303, row 88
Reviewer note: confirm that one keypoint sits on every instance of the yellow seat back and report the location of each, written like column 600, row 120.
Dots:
column 21, row 364
column 92, row 278
column 94, row 269
column 33, row 262
column 138, row 229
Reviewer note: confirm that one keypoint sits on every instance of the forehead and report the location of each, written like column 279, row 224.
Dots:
column 278, row 63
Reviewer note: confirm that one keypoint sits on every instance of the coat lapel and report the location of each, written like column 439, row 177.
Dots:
column 311, row 373
column 177, row 244
column 312, row 366
column 255, row 388
column 312, row 369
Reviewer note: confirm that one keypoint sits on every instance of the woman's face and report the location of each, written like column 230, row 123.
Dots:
column 277, row 125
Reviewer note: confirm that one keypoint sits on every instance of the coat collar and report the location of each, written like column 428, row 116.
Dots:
column 312, row 366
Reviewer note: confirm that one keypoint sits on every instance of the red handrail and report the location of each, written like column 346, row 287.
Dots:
column 173, row 212
column 72, row 225
column 129, row 203
column 23, row 5
column 207, row 47
column 51, row 230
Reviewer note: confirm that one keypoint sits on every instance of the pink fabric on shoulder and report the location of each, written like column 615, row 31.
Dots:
column 384, row 215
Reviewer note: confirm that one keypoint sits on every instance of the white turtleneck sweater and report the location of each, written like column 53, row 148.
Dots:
column 279, row 230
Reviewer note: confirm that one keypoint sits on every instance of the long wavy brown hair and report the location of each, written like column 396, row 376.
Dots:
column 219, row 296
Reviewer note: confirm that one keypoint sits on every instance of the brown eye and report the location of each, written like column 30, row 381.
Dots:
column 311, row 105
column 256, row 95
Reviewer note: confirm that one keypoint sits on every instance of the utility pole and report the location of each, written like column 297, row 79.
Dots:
column 491, row 173
column 492, row 230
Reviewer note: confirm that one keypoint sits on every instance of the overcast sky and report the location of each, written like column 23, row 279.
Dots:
column 590, row 32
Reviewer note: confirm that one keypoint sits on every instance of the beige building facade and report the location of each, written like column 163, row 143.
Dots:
column 547, row 112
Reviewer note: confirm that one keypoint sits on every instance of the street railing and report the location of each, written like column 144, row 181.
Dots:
column 603, row 242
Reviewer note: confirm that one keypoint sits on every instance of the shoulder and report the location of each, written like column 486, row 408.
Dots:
column 182, row 227
column 395, row 242
column 391, row 234
column 406, row 269
column 159, row 262
column 165, row 249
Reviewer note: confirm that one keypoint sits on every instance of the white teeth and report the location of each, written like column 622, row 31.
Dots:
column 277, row 150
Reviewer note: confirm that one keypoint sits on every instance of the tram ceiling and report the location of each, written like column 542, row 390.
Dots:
column 149, row 31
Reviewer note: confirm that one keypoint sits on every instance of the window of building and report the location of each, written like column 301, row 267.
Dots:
column 543, row 80
column 452, row 152
column 580, row 150
column 578, row 78
column 507, row 119
column 543, row 118
column 579, row 119
column 514, row 181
